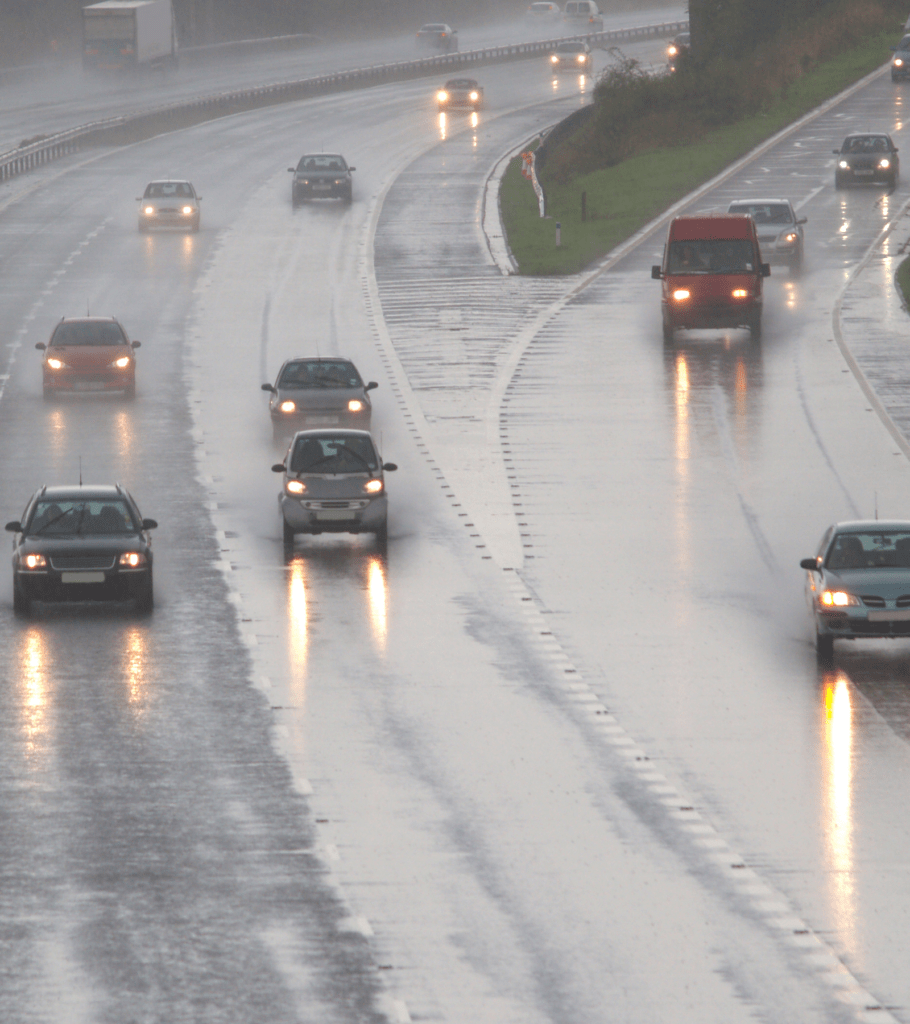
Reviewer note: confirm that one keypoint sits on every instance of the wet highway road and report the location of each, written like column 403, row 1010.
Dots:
column 563, row 754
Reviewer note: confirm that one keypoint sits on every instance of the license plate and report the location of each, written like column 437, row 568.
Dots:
column 901, row 615
column 82, row 577
column 322, row 188
column 321, row 421
column 336, row 514
column 863, row 172
column 88, row 385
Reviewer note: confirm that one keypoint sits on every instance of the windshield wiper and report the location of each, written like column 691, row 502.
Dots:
column 51, row 522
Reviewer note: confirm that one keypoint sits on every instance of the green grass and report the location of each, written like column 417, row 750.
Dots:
column 623, row 198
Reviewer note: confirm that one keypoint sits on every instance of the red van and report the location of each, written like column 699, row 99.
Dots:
column 712, row 274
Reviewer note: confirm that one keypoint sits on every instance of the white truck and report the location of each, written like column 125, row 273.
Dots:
column 128, row 35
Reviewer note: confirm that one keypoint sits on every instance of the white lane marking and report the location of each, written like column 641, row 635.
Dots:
column 808, row 198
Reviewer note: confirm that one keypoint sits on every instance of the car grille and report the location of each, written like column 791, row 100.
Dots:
column 63, row 562
column 860, row 626
column 871, row 601
column 317, row 506
column 903, row 601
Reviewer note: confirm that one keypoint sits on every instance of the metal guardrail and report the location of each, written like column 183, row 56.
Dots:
column 33, row 153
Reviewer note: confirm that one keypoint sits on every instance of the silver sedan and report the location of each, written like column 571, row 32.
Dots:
column 858, row 583
column 780, row 230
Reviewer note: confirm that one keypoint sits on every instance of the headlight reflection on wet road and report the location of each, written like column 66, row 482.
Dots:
column 298, row 620
column 838, row 801
column 378, row 596
column 33, row 661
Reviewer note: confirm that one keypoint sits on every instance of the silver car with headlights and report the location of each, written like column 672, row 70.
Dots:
column 780, row 231
column 858, row 583
column 169, row 204
column 900, row 62
column 317, row 392
column 333, row 483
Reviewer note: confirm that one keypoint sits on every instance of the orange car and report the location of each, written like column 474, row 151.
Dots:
column 90, row 353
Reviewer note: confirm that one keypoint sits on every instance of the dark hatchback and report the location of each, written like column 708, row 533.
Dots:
column 318, row 393
column 322, row 176
column 871, row 157
column 82, row 543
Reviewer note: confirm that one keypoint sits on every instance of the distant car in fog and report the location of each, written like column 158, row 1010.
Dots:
column 333, row 483
column 91, row 353
column 677, row 49
column 169, row 204
column 543, row 13
column 870, row 157
column 780, row 231
column 858, row 583
column 582, row 16
column 321, row 176
column 572, row 56
column 82, row 544
column 460, row 92
column 900, row 62
column 318, row 392
column 437, row 37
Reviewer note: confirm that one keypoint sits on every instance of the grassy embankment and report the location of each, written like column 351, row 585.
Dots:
column 624, row 197
column 903, row 281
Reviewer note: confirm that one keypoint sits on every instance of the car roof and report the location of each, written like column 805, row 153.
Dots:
column 169, row 181
column 314, row 156
column 317, row 359
column 461, row 81
column 871, row 525
column 88, row 320
column 332, row 432
column 867, row 135
column 719, row 226
column 573, row 45
column 81, row 491
column 434, row 26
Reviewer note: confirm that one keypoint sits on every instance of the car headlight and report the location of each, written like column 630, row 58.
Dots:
column 355, row 405
column 442, row 96
column 837, row 599
column 34, row 562
column 581, row 58
column 339, row 181
column 149, row 211
column 740, row 293
column 295, row 487
column 554, row 59
column 287, row 406
column 373, row 486
column 122, row 363
column 132, row 559
column 898, row 63
column 681, row 294
column 303, row 181
column 672, row 51
column 843, row 165
column 473, row 96
column 884, row 164
column 790, row 236
column 187, row 210
column 54, row 363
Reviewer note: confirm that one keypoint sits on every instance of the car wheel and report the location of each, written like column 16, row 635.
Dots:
column 824, row 648
column 288, row 533
column 755, row 327
column 21, row 604
column 382, row 534
column 145, row 599
column 839, row 181
column 668, row 331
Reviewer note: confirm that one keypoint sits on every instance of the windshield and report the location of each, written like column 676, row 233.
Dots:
column 81, row 517
column 169, row 190
column 884, row 550
column 765, row 213
column 88, row 334
column 711, row 256
column 321, row 163
column 341, row 453
column 866, row 144
column 319, row 373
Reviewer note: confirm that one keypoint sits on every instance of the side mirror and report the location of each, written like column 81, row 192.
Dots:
column 40, row 345
column 389, row 467
column 809, row 563
column 655, row 273
column 895, row 150
column 149, row 524
column 138, row 199
column 371, row 385
column 354, row 168
column 801, row 220
column 278, row 467
column 269, row 387
column 766, row 270
column 290, row 170
column 836, row 152
column 14, row 527
column 135, row 344
column 198, row 199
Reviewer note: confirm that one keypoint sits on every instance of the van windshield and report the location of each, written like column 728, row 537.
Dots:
column 711, row 256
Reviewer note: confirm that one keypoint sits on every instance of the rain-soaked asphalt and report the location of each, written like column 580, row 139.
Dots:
column 564, row 753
